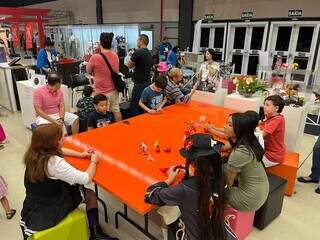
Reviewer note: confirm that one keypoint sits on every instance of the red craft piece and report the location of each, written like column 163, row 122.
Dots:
column 167, row 149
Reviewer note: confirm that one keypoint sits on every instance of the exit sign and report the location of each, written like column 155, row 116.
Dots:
column 294, row 13
column 247, row 15
column 208, row 17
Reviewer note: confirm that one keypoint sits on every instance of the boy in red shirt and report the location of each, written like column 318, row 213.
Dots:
column 273, row 132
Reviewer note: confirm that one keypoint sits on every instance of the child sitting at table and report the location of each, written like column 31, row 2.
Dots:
column 100, row 117
column 201, row 197
column 273, row 131
column 153, row 98
column 85, row 104
column 252, row 117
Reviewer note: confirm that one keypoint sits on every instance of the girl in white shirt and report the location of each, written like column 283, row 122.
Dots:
column 53, row 187
column 208, row 72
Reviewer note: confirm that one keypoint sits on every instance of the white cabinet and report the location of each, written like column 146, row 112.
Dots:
column 240, row 103
column 295, row 122
column 216, row 98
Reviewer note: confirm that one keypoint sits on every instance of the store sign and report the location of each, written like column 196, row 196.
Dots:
column 294, row 13
column 247, row 15
column 15, row 35
column 29, row 35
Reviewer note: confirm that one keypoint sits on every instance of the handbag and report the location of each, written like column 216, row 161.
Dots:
column 118, row 83
column 78, row 80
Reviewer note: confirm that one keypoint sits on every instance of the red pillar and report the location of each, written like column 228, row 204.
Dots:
column 161, row 20
column 40, row 32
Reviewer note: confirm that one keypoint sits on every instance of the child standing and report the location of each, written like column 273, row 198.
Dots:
column 85, row 104
column 3, row 199
column 100, row 117
column 274, row 130
column 153, row 98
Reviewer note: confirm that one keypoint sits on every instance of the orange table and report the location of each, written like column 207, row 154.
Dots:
column 124, row 171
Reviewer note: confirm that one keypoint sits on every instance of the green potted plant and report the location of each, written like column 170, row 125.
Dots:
column 247, row 86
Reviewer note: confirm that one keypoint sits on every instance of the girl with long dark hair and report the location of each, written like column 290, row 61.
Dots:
column 245, row 161
column 208, row 72
column 53, row 187
column 201, row 196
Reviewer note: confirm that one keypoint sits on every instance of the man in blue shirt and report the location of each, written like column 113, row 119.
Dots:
column 164, row 48
column 46, row 57
column 172, row 56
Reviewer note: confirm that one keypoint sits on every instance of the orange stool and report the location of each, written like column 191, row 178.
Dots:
column 287, row 170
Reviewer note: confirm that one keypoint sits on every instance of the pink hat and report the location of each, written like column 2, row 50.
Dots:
column 162, row 67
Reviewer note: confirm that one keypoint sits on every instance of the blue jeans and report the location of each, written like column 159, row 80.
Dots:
column 137, row 90
column 315, row 170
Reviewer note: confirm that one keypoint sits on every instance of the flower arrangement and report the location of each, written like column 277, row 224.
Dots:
column 248, row 85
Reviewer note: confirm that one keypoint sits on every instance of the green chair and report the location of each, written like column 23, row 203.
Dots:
column 72, row 227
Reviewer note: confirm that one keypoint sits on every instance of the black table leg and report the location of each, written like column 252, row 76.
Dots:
column 144, row 230
column 102, row 202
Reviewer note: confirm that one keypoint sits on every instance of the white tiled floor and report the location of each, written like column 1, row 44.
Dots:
column 300, row 218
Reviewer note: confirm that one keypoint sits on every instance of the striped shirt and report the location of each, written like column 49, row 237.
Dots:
column 174, row 93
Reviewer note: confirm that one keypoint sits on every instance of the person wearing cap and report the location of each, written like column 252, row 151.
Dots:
column 162, row 68
column 245, row 162
column 201, row 196
column 174, row 92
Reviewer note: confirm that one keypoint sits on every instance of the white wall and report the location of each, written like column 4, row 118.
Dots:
column 128, row 11
column 83, row 10
column 117, row 11
column 232, row 9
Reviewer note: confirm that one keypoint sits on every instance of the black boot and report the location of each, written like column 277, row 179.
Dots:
column 96, row 233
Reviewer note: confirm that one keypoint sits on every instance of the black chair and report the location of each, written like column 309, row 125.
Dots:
column 19, row 74
column 271, row 209
column 76, row 81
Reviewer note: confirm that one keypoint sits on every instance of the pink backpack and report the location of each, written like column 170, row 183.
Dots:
column 2, row 134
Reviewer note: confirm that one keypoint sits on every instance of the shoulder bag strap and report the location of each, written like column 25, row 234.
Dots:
column 107, row 62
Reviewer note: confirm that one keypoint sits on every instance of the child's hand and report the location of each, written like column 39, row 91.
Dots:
column 172, row 174
column 87, row 153
column 159, row 110
column 95, row 158
column 152, row 111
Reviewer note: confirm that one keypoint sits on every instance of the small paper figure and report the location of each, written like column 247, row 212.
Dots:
column 167, row 149
column 143, row 148
column 150, row 158
column 157, row 146
column 202, row 118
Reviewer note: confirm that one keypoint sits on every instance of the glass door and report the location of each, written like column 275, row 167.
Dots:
column 246, row 41
column 214, row 36
column 296, row 43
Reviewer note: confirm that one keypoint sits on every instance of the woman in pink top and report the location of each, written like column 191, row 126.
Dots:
column 102, row 76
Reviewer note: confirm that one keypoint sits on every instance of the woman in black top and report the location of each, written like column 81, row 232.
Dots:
column 201, row 196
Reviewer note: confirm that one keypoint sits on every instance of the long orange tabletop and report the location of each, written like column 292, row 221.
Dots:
column 124, row 171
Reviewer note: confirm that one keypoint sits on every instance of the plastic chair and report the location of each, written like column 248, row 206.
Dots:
column 74, row 226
